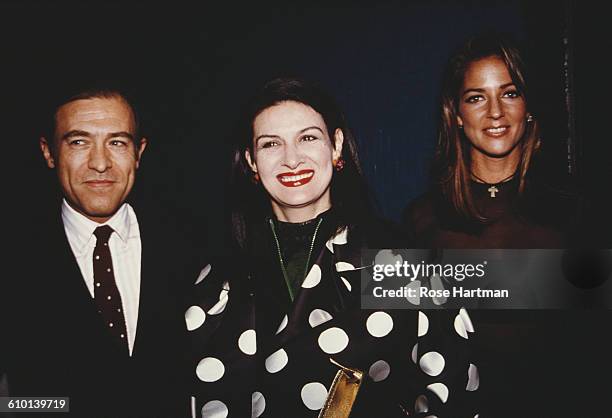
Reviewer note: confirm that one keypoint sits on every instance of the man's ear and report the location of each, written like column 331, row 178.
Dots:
column 45, row 148
column 140, row 150
column 338, row 142
column 250, row 161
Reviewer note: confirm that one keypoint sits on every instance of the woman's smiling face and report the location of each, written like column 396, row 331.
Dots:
column 293, row 156
column 492, row 111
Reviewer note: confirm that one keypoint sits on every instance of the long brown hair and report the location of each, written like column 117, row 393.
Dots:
column 452, row 159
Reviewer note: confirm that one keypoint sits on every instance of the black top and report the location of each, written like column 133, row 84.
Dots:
column 295, row 244
column 512, row 344
column 256, row 352
column 542, row 218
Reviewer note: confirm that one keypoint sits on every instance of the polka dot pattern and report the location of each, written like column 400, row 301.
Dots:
column 313, row 278
column 415, row 351
column 379, row 371
column 298, row 370
column 344, row 266
column 214, row 409
column 203, row 273
column 223, row 298
column 440, row 390
column 423, row 324
column 258, row 404
column 210, row 369
column 432, row 363
column 318, row 317
column 247, row 342
column 436, row 284
column 341, row 238
column 194, row 317
column 379, row 324
column 333, row 340
column 416, row 299
column 387, row 257
column 313, row 395
column 467, row 321
column 276, row 361
column 283, row 324
column 460, row 327
column 421, row 405
column 473, row 378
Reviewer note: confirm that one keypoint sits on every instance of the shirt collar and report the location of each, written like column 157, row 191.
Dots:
column 80, row 228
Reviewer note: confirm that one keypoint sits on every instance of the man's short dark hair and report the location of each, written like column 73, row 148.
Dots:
column 102, row 91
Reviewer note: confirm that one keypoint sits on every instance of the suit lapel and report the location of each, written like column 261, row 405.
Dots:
column 157, row 306
column 72, row 279
column 64, row 290
column 146, row 260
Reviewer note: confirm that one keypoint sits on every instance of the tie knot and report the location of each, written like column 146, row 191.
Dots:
column 103, row 233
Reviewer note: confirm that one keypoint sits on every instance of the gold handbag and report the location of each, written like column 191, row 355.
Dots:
column 342, row 393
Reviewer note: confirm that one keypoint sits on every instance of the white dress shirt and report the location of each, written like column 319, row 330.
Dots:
column 125, row 248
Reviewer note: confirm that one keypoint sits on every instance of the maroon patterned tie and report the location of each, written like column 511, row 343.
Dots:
column 106, row 294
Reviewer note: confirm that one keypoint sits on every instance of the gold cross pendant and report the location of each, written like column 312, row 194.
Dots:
column 493, row 190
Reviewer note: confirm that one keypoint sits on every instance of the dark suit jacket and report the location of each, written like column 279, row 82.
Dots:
column 56, row 345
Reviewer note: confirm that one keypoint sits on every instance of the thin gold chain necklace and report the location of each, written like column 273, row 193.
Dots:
column 280, row 256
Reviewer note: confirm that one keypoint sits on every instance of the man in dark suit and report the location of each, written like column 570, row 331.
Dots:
column 95, row 311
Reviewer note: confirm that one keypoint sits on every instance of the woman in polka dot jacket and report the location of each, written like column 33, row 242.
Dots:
column 265, row 325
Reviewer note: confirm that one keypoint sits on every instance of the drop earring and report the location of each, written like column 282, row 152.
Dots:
column 338, row 163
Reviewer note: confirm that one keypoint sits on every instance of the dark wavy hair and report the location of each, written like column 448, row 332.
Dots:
column 249, row 201
column 452, row 158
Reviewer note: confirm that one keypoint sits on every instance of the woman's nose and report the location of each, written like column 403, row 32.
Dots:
column 293, row 157
column 496, row 109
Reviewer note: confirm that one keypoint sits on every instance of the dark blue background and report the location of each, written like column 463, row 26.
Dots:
column 193, row 67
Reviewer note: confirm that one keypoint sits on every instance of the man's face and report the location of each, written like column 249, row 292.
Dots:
column 96, row 155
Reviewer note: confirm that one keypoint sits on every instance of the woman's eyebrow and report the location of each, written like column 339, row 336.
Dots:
column 266, row 136
column 299, row 132
column 479, row 90
column 311, row 127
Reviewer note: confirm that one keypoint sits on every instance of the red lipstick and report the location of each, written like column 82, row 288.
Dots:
column 295, row 179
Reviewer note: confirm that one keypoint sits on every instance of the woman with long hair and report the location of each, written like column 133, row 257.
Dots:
column 484, row 192
column 271, row 337
column 489, row 192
